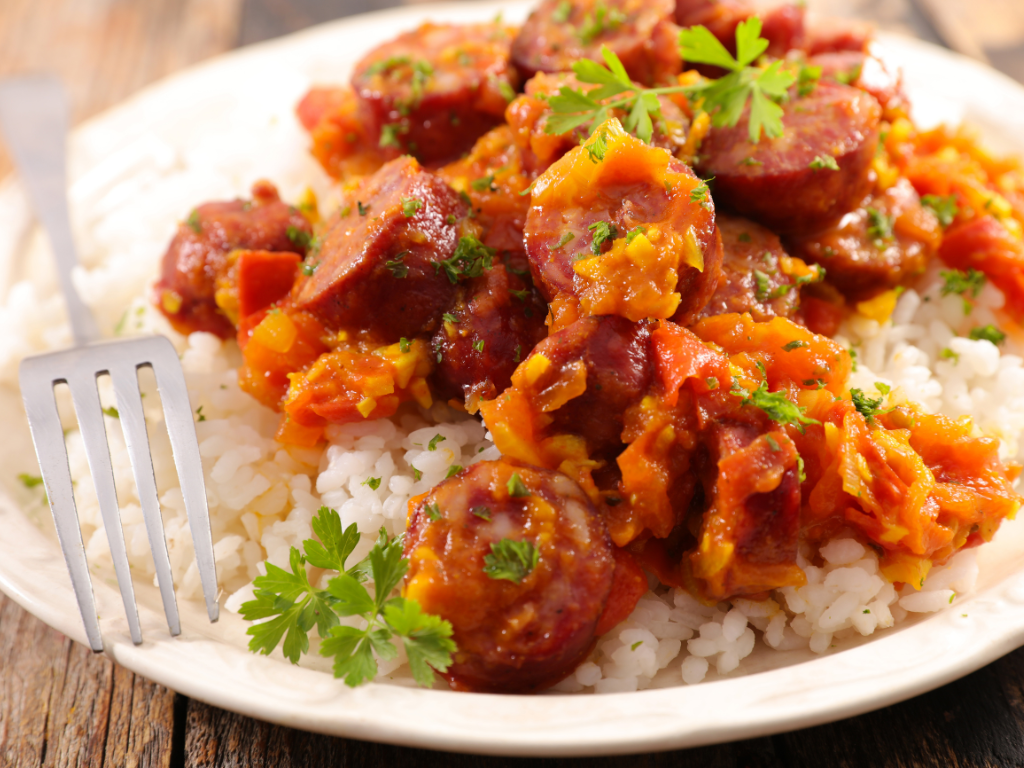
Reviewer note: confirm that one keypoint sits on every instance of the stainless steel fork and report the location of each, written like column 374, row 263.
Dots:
column 34, row 118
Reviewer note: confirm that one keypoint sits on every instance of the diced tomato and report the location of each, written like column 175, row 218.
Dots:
column 263, row 278
column 986, row 245
column 317, row 103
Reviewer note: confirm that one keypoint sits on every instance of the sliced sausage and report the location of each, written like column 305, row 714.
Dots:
column 605, row 362
column 632, row 234
column 786, row 183
column 888, row 239
column 379, row 267
column 495, row 321
column 520, row 563
column 528, row 115
column 492, row 180
column 198, row 256
column 561, row 32
column 433, row 91
column 782, row 25
column 754, row 273
column 864, row 71
column 834, row 35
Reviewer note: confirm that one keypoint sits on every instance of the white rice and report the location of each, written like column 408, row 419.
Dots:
column 263, row 496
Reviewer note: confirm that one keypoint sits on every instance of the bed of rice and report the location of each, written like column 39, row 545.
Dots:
column 263, row 496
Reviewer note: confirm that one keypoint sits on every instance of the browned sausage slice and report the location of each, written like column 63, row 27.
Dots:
column 495, row 321
column 889, row 238
column 197, row 257
column 520, row 563
column 379, row 268
column 527, row 117
column 604, row 363
column 758, row 276
column 864, row 71
column 560, row 32
column 787, row 183
column 782, row 25
column 433, row 91
column 627, row 229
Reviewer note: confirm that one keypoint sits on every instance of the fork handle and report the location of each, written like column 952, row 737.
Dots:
column 34, row 120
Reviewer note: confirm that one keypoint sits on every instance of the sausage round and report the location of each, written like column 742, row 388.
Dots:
column 616, row 357
column 889, row 238
column 341, row 126
column 527, row 117
column 639, row 32
column 197, row 257
column 495, row 321
column 378, row 268
column 520, row 628
column 753, row 279
column 433, row 91
column 636, row 206
column 784, row 182
column 782, row 25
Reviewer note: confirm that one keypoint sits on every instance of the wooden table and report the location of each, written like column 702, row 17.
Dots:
column 62, row 705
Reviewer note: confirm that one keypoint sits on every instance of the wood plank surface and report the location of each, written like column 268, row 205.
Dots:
column 61, row 705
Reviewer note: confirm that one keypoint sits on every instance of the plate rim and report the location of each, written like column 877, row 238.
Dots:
column 482, row 740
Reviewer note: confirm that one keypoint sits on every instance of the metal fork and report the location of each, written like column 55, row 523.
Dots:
column 34, row 118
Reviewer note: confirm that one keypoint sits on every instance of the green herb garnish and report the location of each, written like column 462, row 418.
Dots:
column 410, row 205
column 987, row 333
column 511, row 560
column 603, row 231
column 470, row 259
column 944, row 208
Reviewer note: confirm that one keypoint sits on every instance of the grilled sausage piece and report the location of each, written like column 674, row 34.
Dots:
column 495, row 321
column 639, row 32
column 433, row 91
column 889, row 238
column 782, row 25
column 612, row 356
column 379, row 268
column 786, row 183
column 198, row 256
column 520, row 563
column 753, row 277
column 527, row 117
column 626, row 228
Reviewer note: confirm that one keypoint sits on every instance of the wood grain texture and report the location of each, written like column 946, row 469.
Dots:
column 63, row 705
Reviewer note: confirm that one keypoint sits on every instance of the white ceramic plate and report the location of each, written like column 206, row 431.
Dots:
column 781, row 691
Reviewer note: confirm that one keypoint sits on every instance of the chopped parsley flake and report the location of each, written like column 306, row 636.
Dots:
column 944, row 208
column 879, row 225
column 30, row 481
column 511, row 560
column 519, row 351
column 598, row 148
column 448, row 317
column 404, row 344
column 433, row 511
column 111, row 412
column 867, row 406
column 987, row 333
column 807, row 79
column 389, row 133
column 484, row 184
column 603, row 19
column 636, row 645
column 484, row 513
column 297, row 237
column 562, row 12
column 309, row 269
column 775, row 405
column 194, row 223
column 634, row 233
column 516, row 487
column 882, row 388
column 363, row 209
column 565, row 238
column 200, row 416
column 824, row 161
column 701, row 194
column 949, row 354
column 967, row 283
column 603, row 231
column 417, row 474
column 397, row 267
column 373, row 482
column 453, row 470
column 478, row 345
column 795, row 344
column 432, row 445
column 772, row 444
column 470, row 259
column 410, row 205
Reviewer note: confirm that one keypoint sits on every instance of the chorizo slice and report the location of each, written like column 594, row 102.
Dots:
column 810, row 175
column 495, row 321
column 199, row 256
column 520, row 563
column 433, row 91
column 527, row 117
column 782, row 25
column 888, row 239
column 379, row 264
column 626, row 228
column 561, row 32
column 587, row 375
column 758, row 276
column 341, row 127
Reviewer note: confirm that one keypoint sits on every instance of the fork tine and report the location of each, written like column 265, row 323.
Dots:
column 48, row 437
column 86, row 398
column 133, row 424
column 181, row 428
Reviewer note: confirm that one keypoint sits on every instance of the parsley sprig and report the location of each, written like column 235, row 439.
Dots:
column 293, row 606
column 726, row 97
